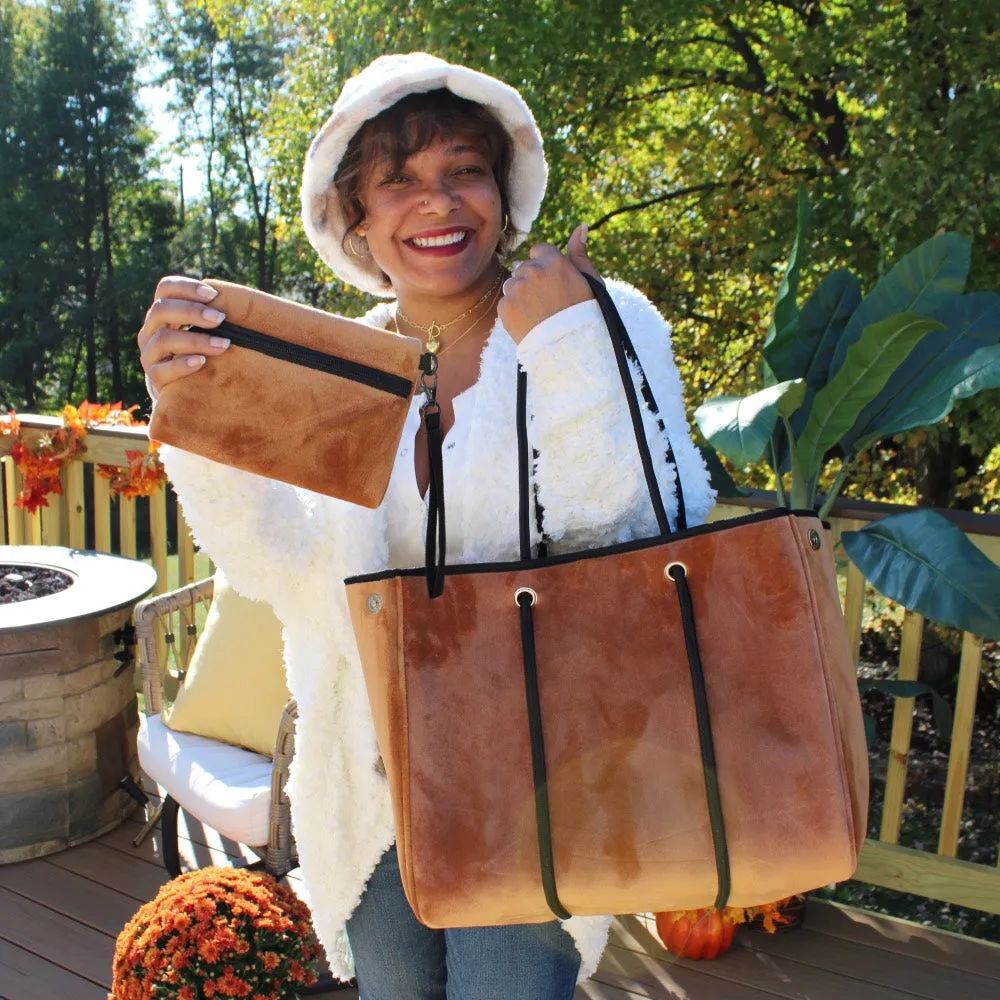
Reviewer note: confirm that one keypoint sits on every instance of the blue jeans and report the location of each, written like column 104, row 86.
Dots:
column 397, row 958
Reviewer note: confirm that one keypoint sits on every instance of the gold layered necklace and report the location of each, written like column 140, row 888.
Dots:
column 434, row 329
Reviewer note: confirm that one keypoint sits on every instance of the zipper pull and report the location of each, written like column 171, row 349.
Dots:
column 428, row 378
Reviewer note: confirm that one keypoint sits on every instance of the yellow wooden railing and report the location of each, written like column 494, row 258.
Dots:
column 883, row 862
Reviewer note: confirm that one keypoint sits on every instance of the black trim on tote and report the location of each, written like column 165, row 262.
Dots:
column 523, row 472
column 308, row 357
column 517, row 565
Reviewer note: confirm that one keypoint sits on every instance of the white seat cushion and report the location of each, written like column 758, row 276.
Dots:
column 226, row 787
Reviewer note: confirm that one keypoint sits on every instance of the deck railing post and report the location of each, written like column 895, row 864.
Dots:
column 76, row 522
column 961, row 743
column 15, row 516
column 902, row 728
column 102, row 514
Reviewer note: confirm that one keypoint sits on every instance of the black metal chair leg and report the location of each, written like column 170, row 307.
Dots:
column 168, row 837
column 133, row 790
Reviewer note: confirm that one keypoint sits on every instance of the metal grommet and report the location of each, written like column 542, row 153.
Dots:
column 374, row 604
column 670, row 566
column 525, row 590
column 814, row 539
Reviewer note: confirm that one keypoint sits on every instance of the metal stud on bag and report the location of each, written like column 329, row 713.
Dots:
column 374, row 604
column 814, row 540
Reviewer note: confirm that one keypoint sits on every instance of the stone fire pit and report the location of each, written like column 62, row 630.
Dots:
column 67, row 723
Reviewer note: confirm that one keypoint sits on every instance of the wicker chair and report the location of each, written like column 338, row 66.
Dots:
column 166, row 630
column 194, row 771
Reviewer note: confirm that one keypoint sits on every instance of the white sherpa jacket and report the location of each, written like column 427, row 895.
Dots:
column 294, row 548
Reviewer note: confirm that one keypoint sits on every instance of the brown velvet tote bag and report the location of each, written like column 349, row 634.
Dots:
column 664, row 724
column 300, row 395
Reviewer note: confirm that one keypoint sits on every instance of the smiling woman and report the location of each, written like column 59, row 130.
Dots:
column 434, row 224
column 425, row 176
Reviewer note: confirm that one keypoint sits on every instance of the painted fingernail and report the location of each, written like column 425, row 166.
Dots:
column 195, row 360
column 219, row 341
column 206, row 292
column 213, row 315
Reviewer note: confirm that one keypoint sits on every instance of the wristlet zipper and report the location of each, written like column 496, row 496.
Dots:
column 308, row 357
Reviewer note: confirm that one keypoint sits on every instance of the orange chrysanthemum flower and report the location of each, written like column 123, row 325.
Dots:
column 199, row 938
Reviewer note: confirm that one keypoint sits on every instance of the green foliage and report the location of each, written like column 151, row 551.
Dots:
column 742, row 428
column 679, row 132
column 226, row 71
column 78, row 213
column 854, row 384
column 924, row 562
column 846, row 398
column 865, row 363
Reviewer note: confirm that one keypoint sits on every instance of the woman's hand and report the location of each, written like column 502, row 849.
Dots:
column 545, row 284
column 168, row 351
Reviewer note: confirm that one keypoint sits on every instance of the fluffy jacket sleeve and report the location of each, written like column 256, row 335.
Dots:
column 588, row 470
column 251, row 526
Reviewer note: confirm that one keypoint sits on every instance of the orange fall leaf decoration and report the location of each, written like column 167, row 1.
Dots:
column 41, row 462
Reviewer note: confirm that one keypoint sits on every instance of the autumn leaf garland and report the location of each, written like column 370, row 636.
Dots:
column 41, row 462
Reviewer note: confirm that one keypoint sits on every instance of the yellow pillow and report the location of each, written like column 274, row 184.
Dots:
column 235, row 689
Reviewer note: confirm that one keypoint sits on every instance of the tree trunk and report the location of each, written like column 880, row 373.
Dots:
column 71, row 384
column 114, row 333
column 260, row 213
column 29, row 385
column 90, row 307
column 213, row 222
column 938, row 468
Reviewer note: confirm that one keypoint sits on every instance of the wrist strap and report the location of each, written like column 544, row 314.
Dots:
column 435, row 546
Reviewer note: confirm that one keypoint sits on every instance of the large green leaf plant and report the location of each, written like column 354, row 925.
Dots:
column 847, row 370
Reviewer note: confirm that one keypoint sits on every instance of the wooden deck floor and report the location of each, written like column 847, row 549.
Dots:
column 59, row 917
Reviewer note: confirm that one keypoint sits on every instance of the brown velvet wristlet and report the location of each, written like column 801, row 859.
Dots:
column 300, row 395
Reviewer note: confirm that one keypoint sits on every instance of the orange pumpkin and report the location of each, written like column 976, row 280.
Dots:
column 704, row 933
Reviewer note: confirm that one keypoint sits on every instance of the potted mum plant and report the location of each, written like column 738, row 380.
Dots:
column 217, row 932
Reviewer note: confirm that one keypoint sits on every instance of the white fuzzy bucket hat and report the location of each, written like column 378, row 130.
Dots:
column 378, row 86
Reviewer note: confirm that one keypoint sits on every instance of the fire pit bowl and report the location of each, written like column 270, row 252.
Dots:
column 68, row 710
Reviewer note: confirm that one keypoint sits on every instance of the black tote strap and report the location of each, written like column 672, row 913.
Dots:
column 625, row 354
column 619, row 335
column 709, row 768
column 539, row 773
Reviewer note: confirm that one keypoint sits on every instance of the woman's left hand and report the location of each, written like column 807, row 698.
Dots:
column 545, row 284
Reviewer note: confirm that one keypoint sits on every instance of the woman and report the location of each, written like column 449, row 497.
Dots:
column 425, row 175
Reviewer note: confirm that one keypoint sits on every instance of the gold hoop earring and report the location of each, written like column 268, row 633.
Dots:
column 352, row 249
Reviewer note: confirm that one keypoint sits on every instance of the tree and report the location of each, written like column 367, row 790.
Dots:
column 224, row 76
column 76, row 201
column 680, row 131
